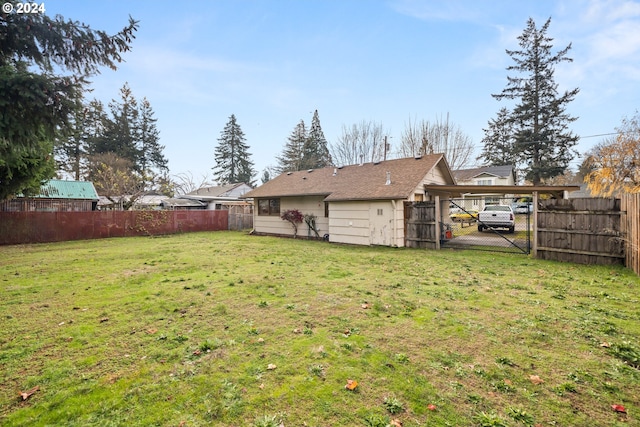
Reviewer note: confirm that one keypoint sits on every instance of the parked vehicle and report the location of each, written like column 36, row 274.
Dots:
column 523, row 208
column 497, row 216
column 468, row 216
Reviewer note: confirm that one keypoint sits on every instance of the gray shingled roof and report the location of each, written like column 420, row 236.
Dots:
column 467, row 174
column 355, row 182
column 216, row 191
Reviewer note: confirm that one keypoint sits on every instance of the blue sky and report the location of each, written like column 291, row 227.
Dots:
column 273, row 62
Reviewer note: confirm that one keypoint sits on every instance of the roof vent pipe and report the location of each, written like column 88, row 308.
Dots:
column 388, row 179
column 335, row 171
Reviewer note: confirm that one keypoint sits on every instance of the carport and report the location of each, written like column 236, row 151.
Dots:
column 442, row 196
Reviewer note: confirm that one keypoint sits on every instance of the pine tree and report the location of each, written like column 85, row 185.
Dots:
column 152, row 160
column 232, row 157
column 541, row 140
column 72, row 149
column 498, row 147
column 315, row 152
column 121, row 131
column 292, row 157
column 38, row 100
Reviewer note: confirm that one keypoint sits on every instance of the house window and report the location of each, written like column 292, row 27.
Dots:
column 268, row 207
column 492, row 200
column 418, row 197
column 484, row 182
column 326, row 209
column 379, row 211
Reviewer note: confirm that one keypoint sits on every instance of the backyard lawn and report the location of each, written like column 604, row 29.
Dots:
column 228, row 329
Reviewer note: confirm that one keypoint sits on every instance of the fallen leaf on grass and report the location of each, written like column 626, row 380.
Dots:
column 351, row 385
column 535, row 379
column 395, row 423
column 619, row 408
column 365, row 306
column 271, row 366
column 605, row 345
column 431, row 407
column 104, row 319
column 152, row 331
column 27, row 394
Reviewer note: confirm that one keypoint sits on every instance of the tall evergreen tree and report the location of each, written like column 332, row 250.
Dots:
column 44, row 64
column 315, row 151
column 232, row 157
column 72, row 149
column 152, row 158
column 541, row 139
column 498, row 141
column 121, row 133
column 292, row 157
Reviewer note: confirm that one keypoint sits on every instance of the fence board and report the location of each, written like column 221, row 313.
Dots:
column 41, row 227
column 631, row 229
column 420, row 225
column 585, row 231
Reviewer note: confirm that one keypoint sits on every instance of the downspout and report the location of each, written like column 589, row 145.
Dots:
column 395, row 224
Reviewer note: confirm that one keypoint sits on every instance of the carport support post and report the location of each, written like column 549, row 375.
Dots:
column 438, row 221
column 534, row 227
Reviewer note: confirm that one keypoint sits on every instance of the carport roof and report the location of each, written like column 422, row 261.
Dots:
column 458, row 190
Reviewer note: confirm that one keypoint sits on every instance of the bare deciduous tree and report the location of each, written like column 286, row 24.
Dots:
column 362, row 142
column 442, row 136
column 115, row 178
column 184, row 183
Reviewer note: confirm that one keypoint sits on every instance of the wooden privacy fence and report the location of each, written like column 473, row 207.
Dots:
column 584, row 231
column 420, row 225
column 630, row 205
column 240, row 221
column 40, row 227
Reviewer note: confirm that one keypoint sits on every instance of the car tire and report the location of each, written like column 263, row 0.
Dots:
column 512, row 229
column 480, row 227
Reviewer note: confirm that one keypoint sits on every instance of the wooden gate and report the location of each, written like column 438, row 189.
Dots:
column 420, row 225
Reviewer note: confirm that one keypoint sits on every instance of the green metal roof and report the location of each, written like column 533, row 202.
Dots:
column 59, row 189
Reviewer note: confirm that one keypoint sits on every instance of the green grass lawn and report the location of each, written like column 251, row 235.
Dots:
column 235, row 330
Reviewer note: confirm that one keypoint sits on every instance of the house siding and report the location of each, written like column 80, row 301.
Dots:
column 349, row 223
column 306, row 205
column 367, row 223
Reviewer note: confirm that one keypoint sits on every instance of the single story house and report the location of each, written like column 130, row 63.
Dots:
column 56, row 195
column 357, row 204
column 227, row 197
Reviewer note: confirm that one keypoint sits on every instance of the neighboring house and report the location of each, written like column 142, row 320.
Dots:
column 149, row 201
column 358, row 204
column 227, row 197
column 175, row 203
column 56, row 195
column 485, row 175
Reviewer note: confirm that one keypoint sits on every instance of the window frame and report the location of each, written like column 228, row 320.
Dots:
column 269, row 206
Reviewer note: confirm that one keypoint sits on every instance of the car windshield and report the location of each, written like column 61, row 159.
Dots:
column 497, row 208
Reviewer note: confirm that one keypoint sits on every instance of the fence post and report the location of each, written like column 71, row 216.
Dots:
column 534, row 228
